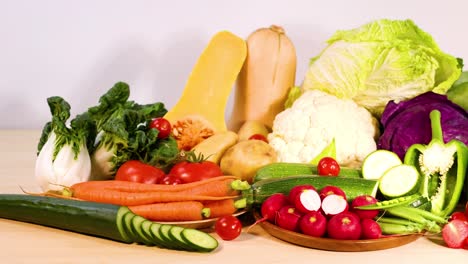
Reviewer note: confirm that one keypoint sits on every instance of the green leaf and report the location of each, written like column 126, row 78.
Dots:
column 381, row 61
column 294, row 93
column 328, row 151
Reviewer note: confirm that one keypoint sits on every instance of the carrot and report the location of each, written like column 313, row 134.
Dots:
column 135, row 198
column 173, row 211
column 224, row 207
column 127, row 186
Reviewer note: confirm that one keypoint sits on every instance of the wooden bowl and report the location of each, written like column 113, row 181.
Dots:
column 335, row 244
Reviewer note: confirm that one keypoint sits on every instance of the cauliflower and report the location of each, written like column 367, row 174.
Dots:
column 302, row 131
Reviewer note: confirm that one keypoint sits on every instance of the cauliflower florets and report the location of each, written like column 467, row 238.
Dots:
column 302, row 131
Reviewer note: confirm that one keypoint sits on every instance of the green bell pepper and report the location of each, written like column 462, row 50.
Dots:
column 443, row 167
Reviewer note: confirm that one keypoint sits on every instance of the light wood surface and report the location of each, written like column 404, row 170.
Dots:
column 28, row 243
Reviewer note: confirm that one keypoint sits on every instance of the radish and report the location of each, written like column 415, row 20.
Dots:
column 327, row 190
column 270, row 208
column 298, row 189
column 362, row 200
column 307, row 201
column 370, row 229
column 334, row 204
column 344, row 226
column 455, row 233
column 288, row 218
column 313, row 224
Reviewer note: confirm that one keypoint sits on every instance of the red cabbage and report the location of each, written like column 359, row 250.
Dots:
column 407, row 123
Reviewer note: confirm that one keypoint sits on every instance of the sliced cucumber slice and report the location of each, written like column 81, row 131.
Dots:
column 378, row 162
column 175, row 235
column 164, row 233
column 199, row 240
column 159, row 241
column 137, row 229
column 121, row 224
column 400, row 180
column 127, row 224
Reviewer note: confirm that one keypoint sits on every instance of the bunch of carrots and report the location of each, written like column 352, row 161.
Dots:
column 210, row 198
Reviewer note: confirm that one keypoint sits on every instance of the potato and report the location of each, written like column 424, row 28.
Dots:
column 246, row 157
column 214, row 147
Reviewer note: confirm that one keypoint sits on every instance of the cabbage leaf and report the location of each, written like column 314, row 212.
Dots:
column 382, row 61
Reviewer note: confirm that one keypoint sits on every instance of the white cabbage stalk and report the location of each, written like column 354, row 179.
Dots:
column 66, row 169
column 102, row 166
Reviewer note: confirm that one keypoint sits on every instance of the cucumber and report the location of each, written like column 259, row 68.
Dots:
column 164, row 233
column 137, row 222
column 154, row 229
column 199, row 240
column 377, row 162
column 352, row 187
column 98, row 219
column 285, row 169
column 175, row 235
column 400, row 180
column 127, row 227
column 146, row 230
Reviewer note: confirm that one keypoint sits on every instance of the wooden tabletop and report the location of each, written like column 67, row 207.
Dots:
column 29, row 243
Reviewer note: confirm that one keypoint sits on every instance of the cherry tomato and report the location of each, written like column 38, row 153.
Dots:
column 137, row 171
column 195, row 171
column 170, row 180
column 328, row 166
column 228, row 227
column 162, row 125
column 258, row 137
column 458, row 215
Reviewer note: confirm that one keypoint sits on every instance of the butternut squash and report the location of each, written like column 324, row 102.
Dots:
column 265, row 79
column 200, row 111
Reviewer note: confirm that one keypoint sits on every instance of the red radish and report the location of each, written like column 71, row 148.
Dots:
column 362, row 200
column 307, row 201
column 455, row 233
column 272, row 205
column 458, row 215
column 334, row 204
column 344, row 226
column 327, row 190
column 270, row 208
column 313, row 224
column 288, row 218
column 370, row 229
column 298, row 189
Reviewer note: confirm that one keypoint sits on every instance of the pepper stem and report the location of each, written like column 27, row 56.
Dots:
column 436, row 126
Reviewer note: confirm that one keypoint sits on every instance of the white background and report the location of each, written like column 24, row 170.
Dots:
column 79, row 49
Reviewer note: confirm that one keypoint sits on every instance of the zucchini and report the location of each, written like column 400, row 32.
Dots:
column 285, row 169
column 400, row 180
column 352, row 187
column 378, row 162
column 98, row 219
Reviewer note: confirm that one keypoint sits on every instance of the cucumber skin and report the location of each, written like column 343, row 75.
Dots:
column 89, row 218
column 285, row 169
column 352, row 187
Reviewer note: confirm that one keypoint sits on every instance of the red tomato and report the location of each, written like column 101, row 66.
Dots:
column 228, row 227
column 258, row 137
column 170, row 180
column 195, row 171
column 328, row 166
column 458, row 215
column 137, row 171
column 162, row 125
